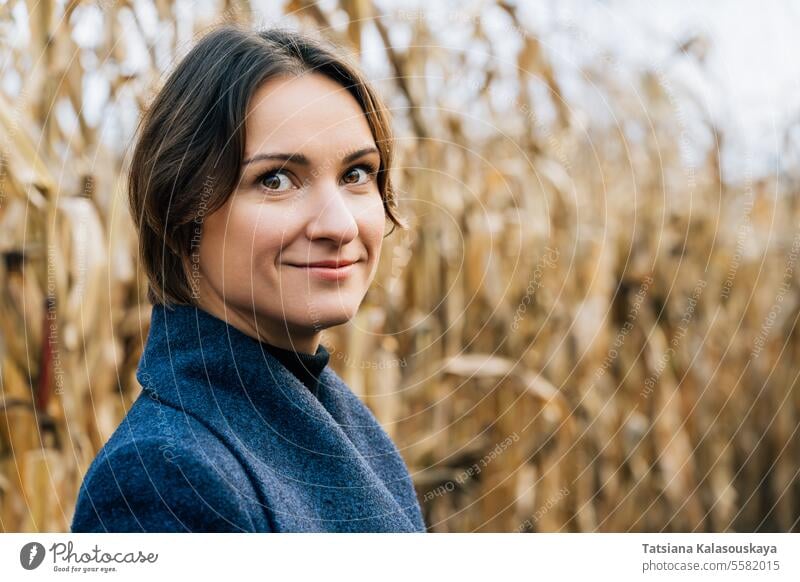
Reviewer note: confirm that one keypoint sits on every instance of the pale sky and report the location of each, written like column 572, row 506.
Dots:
column 750, row 82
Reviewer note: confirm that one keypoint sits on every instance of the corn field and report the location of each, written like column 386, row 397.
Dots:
column 583, row 329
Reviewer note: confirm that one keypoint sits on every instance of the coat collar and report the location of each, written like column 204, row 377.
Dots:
column 189, row 340
column 326, row 452
column 205, row 365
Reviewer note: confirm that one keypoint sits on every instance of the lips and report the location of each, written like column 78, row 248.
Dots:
column 333, row 264
column 332, row 270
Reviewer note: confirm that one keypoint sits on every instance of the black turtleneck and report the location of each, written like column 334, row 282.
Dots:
column 306, row 367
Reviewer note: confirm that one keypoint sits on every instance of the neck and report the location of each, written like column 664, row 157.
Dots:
column 248, row 321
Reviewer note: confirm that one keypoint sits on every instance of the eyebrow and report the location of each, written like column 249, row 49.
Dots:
column 304, row 161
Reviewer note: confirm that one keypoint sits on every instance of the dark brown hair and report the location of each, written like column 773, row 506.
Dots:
column 187, row 160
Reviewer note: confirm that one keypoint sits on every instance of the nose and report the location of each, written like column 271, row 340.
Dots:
column 334, row 219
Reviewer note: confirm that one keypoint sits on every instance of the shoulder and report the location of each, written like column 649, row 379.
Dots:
column 153, row 433
column 166, row 481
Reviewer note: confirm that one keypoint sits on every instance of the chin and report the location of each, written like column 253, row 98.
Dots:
column 331, row 313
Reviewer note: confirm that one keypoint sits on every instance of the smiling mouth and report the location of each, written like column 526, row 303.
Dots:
column 335, row 264
column 328, row 270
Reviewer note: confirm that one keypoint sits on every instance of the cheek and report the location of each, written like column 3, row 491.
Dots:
column 371, row 226
column 236, row 239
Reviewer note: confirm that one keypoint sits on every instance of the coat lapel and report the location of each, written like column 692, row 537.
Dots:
column 319, row 463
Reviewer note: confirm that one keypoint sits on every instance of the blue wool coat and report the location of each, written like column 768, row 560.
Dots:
column 223, row 438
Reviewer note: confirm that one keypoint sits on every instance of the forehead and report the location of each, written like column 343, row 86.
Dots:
column 312, row 114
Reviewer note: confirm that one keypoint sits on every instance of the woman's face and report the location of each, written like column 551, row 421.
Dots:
column 308, row 195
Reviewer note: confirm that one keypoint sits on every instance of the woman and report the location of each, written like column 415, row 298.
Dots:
column 260, row 189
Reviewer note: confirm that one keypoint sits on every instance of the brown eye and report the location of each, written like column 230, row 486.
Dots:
column 357, row 175
column 277, row 181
